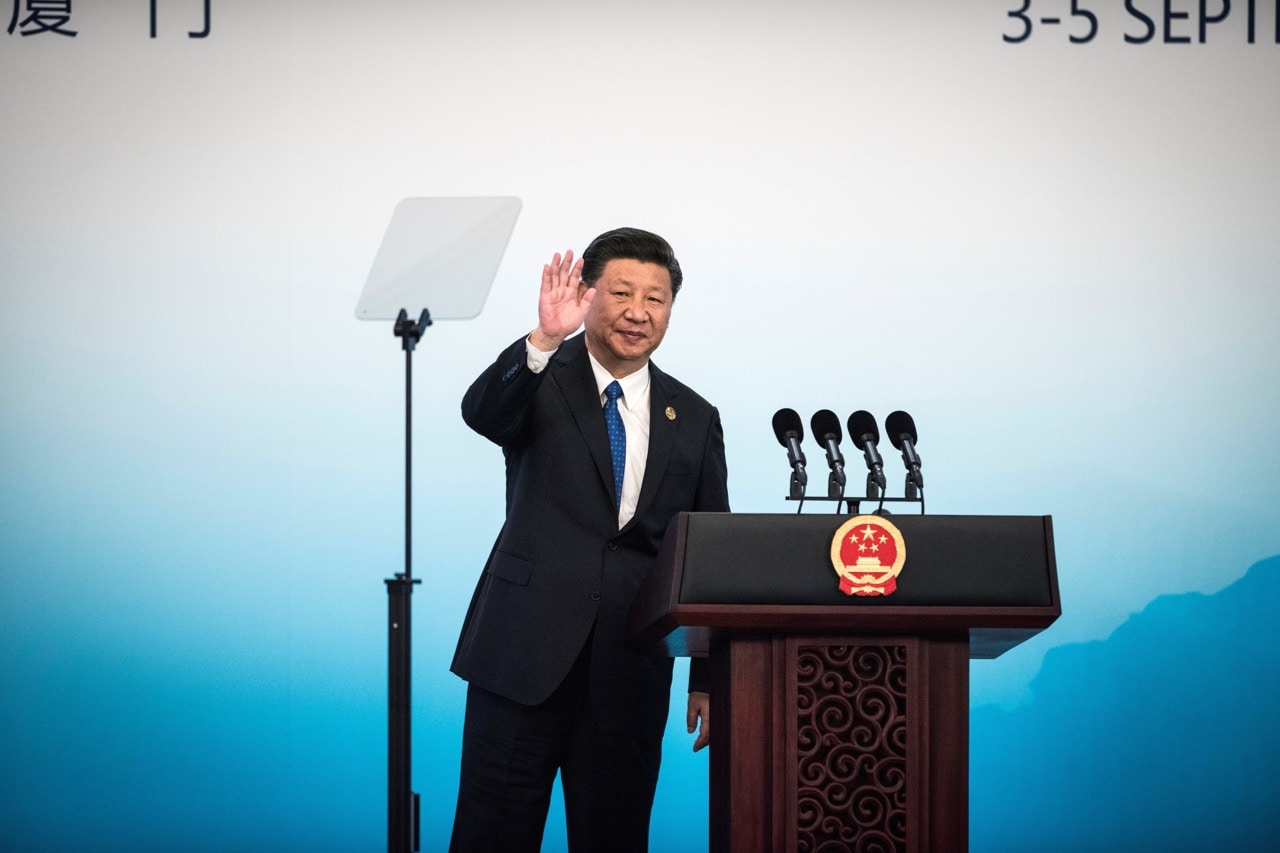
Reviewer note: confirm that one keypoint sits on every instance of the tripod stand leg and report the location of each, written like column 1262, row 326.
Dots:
column 402, row 803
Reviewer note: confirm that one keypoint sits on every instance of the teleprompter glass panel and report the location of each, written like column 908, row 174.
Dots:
column 440, row 254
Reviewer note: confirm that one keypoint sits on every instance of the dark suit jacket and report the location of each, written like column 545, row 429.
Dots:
column 560, row 565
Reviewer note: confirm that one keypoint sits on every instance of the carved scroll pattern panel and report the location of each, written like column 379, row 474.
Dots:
column 851, row 748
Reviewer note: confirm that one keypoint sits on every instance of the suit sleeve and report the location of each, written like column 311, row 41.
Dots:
column 713, row 482
column 497, row 403
column 712, row 496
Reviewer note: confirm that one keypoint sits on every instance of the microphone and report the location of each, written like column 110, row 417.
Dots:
column 866, row 435
column 789, row 431
column 902, row 432
column 826, row 429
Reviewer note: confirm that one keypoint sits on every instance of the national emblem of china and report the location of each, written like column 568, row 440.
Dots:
column 868, row 553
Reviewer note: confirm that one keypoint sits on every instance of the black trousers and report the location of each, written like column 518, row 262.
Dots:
column 510, row 755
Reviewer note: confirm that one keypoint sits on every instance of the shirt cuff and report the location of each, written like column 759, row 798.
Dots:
column 535, row 358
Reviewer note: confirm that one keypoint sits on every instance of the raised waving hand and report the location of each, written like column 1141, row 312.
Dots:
column 562, row 302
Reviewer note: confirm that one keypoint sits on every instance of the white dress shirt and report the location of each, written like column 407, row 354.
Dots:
column 633, row 407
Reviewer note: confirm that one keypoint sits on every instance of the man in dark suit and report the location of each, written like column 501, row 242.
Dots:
column 602, row 450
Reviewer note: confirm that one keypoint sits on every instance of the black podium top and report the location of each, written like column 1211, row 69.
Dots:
column 992, row 576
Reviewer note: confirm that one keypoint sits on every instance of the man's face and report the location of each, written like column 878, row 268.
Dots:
column 629, row 315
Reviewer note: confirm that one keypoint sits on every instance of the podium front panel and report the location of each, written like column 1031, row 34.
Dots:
column 992, row 577
column 957, row 561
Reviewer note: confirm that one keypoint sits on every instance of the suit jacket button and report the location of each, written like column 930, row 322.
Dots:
column 613, row 546
column 595, row 596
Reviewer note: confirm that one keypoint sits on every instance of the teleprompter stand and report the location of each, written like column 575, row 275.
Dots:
column 403, row 805
column 442, row 252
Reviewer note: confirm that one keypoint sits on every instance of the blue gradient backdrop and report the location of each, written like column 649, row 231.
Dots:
column 1062, row 259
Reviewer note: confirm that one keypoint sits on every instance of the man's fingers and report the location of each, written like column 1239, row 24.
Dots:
column 561, row 271
column 704, row 734
column 699, row 712
column 562, row 267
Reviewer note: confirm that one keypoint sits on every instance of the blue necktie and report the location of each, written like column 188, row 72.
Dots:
column 617, row 436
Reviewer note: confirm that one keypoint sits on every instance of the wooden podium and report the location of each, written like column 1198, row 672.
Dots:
column 841, row 722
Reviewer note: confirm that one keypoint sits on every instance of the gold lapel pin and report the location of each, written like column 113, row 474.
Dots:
column 671, row 413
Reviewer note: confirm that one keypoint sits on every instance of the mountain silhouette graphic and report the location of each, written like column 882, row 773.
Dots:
column 1164, row 736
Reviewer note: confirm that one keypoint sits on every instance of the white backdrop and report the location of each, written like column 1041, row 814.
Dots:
column 1061, row 258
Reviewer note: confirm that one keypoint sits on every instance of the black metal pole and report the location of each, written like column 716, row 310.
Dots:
column 403, row 833
column 400, row 823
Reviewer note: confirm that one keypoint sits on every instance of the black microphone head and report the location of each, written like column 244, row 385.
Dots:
column 863, row 423
column 899, row 424
column 787, row 421
column 826, row 422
